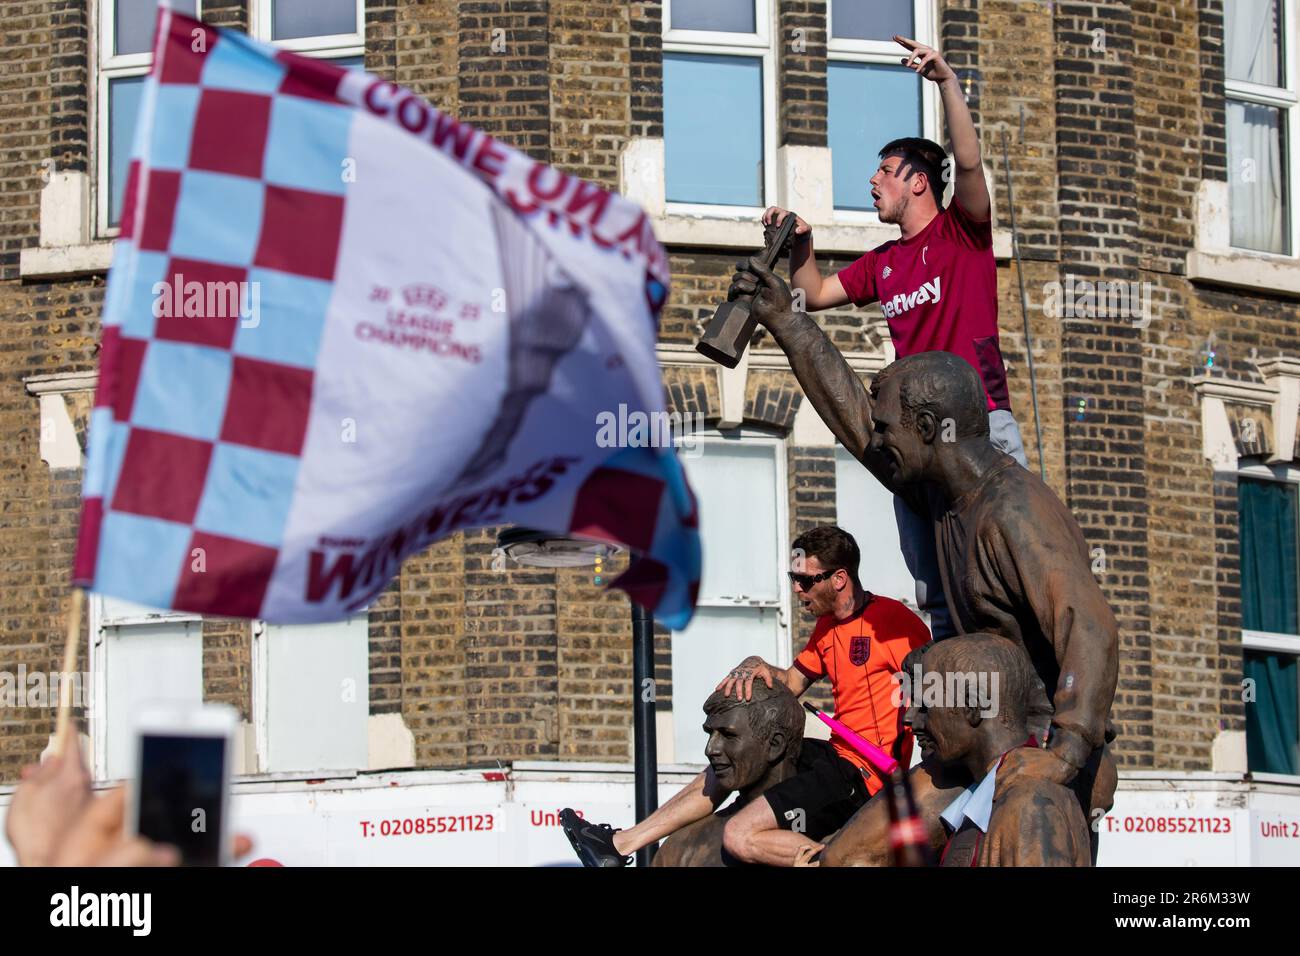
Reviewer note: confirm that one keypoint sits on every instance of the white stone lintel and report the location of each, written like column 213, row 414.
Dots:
column 1279, row 393
column 65, row 262
column 731, row 391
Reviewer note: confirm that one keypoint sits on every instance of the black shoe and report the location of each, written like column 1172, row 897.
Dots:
column 593, row 842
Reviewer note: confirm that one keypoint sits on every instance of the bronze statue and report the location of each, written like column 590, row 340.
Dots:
column 1012, row 557
column 1033, row 822
column 753, row 745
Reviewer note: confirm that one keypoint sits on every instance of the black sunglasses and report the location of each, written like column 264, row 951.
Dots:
column 805, row 581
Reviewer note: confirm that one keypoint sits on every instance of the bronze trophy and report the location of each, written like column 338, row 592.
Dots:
column 732, row 326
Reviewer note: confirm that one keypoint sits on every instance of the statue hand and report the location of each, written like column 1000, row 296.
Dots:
column 772, row 299
column 1032, row 763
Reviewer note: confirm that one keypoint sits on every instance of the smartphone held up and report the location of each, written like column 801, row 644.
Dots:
column 180, row 795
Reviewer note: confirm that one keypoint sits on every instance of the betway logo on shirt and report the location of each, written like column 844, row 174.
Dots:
column 929, row 292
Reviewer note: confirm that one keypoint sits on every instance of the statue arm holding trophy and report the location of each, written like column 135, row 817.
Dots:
column 833, row 388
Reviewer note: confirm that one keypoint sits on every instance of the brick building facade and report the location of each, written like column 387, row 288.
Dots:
column 1112, row 116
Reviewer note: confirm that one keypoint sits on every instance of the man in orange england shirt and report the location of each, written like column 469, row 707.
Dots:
column 859, row 642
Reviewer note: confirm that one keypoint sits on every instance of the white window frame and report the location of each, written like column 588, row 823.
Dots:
column 99, row 622
column 333, row 47
column 110, row 67
column 783, row 655
column 887, row 53
column 260, row 672
column 98, row 659
column 1287, row 99
column 1269, row 641
column 756, row 45
column 751, row 437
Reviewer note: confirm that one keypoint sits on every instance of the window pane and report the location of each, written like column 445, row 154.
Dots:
column 728, row 16
column 736, row 525
column 715, row 640
column 865, row 509
column 123, row 105
column 1251, row 36
column 294, row 19
column 1267, row 512
column 713, row 129
column 871, row 19
column 317, row 695
column 134, row 20
column 1273, row 717
column 1258, row 192
column 145, row 664
column 868, row 105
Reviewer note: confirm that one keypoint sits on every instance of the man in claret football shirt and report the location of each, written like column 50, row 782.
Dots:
column 936, row 283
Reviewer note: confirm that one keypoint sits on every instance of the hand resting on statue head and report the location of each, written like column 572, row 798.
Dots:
column 742, row 678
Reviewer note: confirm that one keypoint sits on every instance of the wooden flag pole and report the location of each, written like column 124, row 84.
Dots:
column 63, row 728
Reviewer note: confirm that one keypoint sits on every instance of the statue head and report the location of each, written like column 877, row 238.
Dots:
column 964, row 689
column 920, row 404
column 747, row 738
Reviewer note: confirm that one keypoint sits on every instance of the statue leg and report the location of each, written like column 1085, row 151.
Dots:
column 695, row 801
column 864, row 840
column 1095, row 789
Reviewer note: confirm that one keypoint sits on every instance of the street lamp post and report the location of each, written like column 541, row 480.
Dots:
column 643, row 721
column 540, row 550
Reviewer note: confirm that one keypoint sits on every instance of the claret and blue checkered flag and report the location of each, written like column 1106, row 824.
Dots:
column 341, row 325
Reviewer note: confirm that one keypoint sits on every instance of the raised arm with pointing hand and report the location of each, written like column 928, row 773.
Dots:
column 968, row 181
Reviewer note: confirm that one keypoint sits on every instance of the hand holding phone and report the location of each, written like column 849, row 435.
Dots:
column 180, row 796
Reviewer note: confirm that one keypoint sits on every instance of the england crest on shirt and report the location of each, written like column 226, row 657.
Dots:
column 859, row 650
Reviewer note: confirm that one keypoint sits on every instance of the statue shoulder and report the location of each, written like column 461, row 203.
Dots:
column 1017, row 500
column 1038, row 823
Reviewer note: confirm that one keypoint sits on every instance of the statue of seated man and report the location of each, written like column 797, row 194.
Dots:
column 753, row 746
column 1030, row 821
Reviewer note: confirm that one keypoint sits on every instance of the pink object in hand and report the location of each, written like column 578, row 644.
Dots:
column 879, row 760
